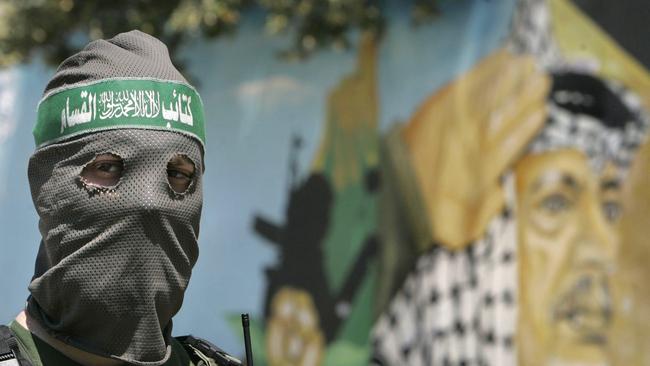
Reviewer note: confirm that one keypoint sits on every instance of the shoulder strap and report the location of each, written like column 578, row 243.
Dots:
column 205, row 353
column 9, row 351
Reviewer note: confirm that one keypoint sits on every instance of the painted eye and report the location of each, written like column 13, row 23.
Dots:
column 612, row 210
column 180, row 173
column 555, row 203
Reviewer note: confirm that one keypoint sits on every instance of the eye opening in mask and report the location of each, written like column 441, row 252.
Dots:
column 103, row 172
column 181, row 172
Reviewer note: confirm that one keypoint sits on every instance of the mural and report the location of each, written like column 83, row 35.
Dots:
column 473, row 191
column 323, row 281
column 521, row 207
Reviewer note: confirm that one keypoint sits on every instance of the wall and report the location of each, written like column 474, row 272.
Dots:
column 399, row 200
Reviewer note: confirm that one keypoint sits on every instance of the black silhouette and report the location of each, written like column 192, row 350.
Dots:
column 300, row 242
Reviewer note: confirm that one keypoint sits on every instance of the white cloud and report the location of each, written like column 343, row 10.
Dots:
column 262, row 99
column 7, row 105
column 8, row 121
column 272, row 90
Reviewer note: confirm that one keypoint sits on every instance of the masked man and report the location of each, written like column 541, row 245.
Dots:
column 116, row 179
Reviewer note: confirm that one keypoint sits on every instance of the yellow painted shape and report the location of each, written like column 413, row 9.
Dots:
column 349, row 142
column 465, row 136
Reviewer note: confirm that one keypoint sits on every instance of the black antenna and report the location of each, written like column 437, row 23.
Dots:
column 247, row 339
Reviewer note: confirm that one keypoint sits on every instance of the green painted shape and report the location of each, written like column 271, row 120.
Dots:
column 346, row 353
column 354, row 217
column 357, row 326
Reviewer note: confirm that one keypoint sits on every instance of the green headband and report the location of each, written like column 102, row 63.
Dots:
column 119, row 103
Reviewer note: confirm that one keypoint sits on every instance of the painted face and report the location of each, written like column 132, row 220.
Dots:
column 567, row 217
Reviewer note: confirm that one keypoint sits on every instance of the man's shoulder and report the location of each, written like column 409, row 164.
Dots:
column 180, row 356
column 190, row 350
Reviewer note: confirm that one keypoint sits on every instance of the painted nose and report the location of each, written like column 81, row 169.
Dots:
column 596, row 246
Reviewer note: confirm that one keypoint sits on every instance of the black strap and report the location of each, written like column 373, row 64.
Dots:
column 205, row 348
column 9, row 349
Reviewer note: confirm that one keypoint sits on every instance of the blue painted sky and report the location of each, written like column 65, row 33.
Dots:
column 254, row 104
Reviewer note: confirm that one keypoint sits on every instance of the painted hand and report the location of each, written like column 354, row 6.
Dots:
column 293, row 336
column 465, row 136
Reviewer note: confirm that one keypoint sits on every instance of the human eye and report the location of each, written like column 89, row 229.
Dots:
column 177, row 174
column 104, row 171
column 108, row 167
column 180, row 173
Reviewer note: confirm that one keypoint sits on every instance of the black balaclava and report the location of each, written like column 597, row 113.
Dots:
column 114, row 262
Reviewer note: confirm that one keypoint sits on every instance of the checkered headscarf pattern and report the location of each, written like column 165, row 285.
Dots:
column 456, row 307
column 598, row 141
column 530, row 32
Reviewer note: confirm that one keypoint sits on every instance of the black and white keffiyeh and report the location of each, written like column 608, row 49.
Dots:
column 601, row 118
column 456, row 307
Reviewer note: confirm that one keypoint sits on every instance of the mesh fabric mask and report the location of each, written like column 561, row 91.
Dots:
column 114, row 261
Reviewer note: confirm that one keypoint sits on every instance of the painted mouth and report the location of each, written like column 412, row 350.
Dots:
column 586, row 309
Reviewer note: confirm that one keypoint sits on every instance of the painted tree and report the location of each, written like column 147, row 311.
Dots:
column 54, row 29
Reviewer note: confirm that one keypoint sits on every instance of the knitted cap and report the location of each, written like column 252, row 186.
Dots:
column 127, row 81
